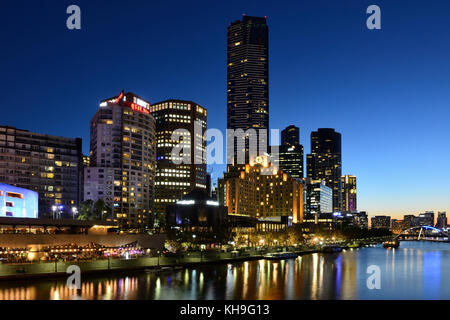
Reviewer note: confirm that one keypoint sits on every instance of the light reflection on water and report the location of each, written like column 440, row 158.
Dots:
column 416, row 270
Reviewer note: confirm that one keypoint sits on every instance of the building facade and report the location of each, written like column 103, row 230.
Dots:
column 426, row 218
column 273, row 198
column 349, row 203
column 174, row 180
column 441, row 220
column 122, row 160
column 318, row 200
column 46, row 164
column 18, row 202
column 248, row 82
column 325, row 162
column 290, row 158
column 381, row 222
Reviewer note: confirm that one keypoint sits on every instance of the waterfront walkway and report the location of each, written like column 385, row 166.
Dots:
column 10, row 271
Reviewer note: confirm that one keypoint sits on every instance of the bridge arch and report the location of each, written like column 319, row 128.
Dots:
column 422, row 230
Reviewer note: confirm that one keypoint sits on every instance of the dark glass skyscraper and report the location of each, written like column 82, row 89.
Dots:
column 291, row 152
column 325, row 162
column 248, row 79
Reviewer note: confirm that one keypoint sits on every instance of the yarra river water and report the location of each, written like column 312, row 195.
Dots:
column 416, row 270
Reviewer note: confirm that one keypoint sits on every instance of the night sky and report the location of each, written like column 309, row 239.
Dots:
column 387, row 91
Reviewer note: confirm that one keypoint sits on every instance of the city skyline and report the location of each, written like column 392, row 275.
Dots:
column 398, row 184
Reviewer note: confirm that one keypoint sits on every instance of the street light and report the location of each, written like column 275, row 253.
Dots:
column 53, row 209
column 74, row 212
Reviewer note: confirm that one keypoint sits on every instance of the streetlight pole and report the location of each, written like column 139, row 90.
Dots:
column 74, row 212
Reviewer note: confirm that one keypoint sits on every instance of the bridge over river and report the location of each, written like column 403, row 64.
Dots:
column 423, row 233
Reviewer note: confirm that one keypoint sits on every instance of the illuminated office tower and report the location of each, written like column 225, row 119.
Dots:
column 319, row 200
column 122, row 160
column 49, row 165
column 248, row 81
column 291, row 152
column 349, row 193
column 325, row 162
column 174, row 180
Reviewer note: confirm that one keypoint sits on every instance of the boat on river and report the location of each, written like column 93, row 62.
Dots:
column 391, row 244
column 280, row 255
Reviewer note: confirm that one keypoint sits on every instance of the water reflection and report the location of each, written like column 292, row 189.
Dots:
column 416, row 270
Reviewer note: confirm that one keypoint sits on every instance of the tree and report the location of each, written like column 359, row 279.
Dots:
column 85, row 210
column 94, row 211
column 101, row 211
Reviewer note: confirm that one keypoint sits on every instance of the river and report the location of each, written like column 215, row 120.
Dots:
column 416, row 270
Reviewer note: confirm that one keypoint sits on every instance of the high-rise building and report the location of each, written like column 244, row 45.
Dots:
column 398, row 226
column 349, row 193
column 319, row 200
column 174, row 180
column 247, row 192
column 248, row 82
column 122, row 160
column 441, row 220
column 361, row 219
column 411, row 221
column 325, row 162
column 426, row 218
column 290, row 158
column 381, row 222
column 46, row 164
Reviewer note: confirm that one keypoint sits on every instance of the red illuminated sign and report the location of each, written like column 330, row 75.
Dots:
column 132, row 105
column 120, row 97
column 137, row 107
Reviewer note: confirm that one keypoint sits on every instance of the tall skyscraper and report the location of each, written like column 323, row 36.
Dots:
column 290, row 158
column 248, row 81
column 349, row 193
column 122, row 160
column 49, row 165
column 174, row 180
column 325, row 162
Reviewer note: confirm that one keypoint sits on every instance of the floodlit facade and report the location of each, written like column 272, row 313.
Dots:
column 274, row 198
column 18, row 202
column 122, row 160
column 49, row 165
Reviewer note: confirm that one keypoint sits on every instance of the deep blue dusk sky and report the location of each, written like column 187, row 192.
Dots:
column 387, row 91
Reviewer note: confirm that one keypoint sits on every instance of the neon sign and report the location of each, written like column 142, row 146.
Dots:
column 132, row 105
column 119, row 97
column 137, row 107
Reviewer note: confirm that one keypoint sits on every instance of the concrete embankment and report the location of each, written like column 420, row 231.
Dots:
column 103, row 266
